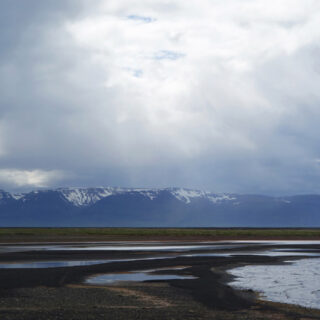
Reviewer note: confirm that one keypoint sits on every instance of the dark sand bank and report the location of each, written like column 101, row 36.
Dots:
column 60, row 293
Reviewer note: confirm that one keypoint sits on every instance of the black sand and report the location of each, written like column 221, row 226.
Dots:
column 61, row 293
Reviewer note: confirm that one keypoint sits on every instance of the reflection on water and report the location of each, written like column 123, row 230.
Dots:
column 152, row 248
column 117, row 247
column 68, row 263
column 50, row 264
column 269, row 253
column 174, row 249
column 133, row 276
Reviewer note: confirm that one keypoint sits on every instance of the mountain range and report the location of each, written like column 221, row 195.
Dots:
column 168, row 207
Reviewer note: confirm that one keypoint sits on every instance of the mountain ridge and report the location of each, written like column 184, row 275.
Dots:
column 163, row 207
column 85, row 196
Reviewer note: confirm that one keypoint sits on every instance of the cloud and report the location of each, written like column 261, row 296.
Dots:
column 221, row 96
column 14, row 178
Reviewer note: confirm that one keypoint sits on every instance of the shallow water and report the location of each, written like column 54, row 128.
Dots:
column 262, row 252
column 175, row 248
column 50, row 264
column 116, row 247
column 153, row 248
column 297, row 283
column 133, row 276
column 68, row 263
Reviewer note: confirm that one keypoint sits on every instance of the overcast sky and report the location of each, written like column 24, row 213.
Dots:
column 215, row 95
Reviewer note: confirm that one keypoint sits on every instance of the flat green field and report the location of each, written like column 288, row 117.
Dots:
column 78, row 234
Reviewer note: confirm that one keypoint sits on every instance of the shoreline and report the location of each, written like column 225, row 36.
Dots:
column 209, row 295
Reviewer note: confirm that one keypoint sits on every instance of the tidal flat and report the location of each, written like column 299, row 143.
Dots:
column 156, row 280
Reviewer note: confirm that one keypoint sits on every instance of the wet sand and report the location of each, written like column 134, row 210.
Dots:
column 61, row 293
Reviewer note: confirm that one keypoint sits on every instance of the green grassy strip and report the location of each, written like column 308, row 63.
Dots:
column 175, row 232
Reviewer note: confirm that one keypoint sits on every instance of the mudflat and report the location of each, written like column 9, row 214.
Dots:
column 63, row 293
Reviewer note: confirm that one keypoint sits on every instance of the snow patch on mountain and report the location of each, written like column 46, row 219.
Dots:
column 187, row 195
column 219, row 198
column 84, row 197
column 17, row 196
column 149, row 194
column 88, row 196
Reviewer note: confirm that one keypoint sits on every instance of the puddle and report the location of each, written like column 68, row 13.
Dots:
column 50, row 264
column 133, row 276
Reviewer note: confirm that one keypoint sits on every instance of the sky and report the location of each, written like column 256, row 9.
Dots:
column 214, row 95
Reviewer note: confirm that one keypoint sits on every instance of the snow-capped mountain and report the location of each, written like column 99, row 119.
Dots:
column 87, row 196
column 109, row 206
column 80, row 197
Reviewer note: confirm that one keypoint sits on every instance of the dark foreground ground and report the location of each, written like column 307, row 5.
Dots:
column 60, row 293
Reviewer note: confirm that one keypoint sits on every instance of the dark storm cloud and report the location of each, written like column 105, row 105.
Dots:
column 20, row 17
column 228, row 103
